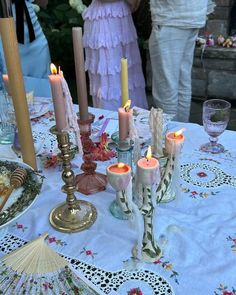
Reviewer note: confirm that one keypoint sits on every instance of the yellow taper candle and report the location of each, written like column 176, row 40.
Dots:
column 11, row 53
column 124, row 82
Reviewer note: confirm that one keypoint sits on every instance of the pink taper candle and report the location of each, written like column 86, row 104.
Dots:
column 58, row 99
column 80, row 72
column 124, row 115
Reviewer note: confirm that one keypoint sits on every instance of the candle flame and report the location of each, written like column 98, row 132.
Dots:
column 177, row 133
column 149, row 153
column 120, row 165
column 53, row 69
column 127, row 105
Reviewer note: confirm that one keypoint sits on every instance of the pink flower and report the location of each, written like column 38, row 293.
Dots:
column 227, row 293
column 52, row 239
column 201, row 174
column 19, row 225
column 101, row 117
column 194, row 193
column 88, row 252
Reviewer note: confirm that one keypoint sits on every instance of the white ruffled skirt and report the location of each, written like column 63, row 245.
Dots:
column 109, row 35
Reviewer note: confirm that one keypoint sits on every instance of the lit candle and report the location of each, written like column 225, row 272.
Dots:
column 58, row 99
column 80, row 73
column 6, row 83
column 148, row 169
column 124, row 115
column 124, row 82
column 174, row 141
column 119, row 175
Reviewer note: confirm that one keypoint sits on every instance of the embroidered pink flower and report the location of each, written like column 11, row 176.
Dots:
column 51, row 239
column 135, row 291
column 20, row 226
column 201, row 174
column 194, row 193
column 227, row 293
column 88, row 252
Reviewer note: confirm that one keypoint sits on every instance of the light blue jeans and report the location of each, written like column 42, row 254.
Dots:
column 171, row 53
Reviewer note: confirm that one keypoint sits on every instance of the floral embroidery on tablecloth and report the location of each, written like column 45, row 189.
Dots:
column 88, row 253
column 233, row 240
column 135, row 291
column 169, row 267
column 52, row 239
column 20, row 226
column 202, row 174
column 195, row 194
column 224, row 290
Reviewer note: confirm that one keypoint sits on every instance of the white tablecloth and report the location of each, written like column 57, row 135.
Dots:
column 199, row 226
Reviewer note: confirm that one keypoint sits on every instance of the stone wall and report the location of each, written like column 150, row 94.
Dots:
column 214, row 73
column 219, row 21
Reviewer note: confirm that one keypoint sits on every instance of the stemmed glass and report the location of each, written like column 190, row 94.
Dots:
column 216, row 113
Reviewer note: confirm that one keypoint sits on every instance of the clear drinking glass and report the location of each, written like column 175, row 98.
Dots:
column 7, row 119
column 216, row 113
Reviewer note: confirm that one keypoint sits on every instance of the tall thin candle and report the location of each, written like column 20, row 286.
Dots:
column 58, row 99
column 12, row 57
column 124, row 82
column 80, row 72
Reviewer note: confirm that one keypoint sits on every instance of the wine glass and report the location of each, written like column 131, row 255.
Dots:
column 216, row 113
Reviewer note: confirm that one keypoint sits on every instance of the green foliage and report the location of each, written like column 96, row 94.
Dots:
column 57, row 21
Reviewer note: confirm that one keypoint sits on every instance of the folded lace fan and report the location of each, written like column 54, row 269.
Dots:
column 34, row 258
column 36, row 269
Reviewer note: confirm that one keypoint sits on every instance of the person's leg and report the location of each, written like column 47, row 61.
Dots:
column 185, row 89
column 166, row 46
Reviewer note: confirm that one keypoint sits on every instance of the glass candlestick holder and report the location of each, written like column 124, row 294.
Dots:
column 90, row 181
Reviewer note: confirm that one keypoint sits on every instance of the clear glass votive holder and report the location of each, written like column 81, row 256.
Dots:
column 125, row 152
column 7, row 119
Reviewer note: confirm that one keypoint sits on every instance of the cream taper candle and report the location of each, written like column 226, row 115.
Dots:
column 58, row 99
column 124, row 82
column 12, row 57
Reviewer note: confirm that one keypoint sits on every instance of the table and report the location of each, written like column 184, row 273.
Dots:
column 198, row 227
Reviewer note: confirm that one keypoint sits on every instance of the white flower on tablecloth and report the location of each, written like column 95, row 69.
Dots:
column 77, row 5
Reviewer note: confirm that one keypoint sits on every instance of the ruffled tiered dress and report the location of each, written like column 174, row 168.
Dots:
column 109, row 35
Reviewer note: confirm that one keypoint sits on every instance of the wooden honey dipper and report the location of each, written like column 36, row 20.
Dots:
column 16, row 180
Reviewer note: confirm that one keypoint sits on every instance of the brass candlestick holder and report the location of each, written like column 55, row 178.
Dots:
column 73, row 215
column 90, row 181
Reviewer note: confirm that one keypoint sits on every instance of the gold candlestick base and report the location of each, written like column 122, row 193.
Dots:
column 78, row 219
column 73, row 215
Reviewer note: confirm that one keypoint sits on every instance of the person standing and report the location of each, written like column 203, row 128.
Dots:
column 33, row 47
column 175, row 26
column 109, row 35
